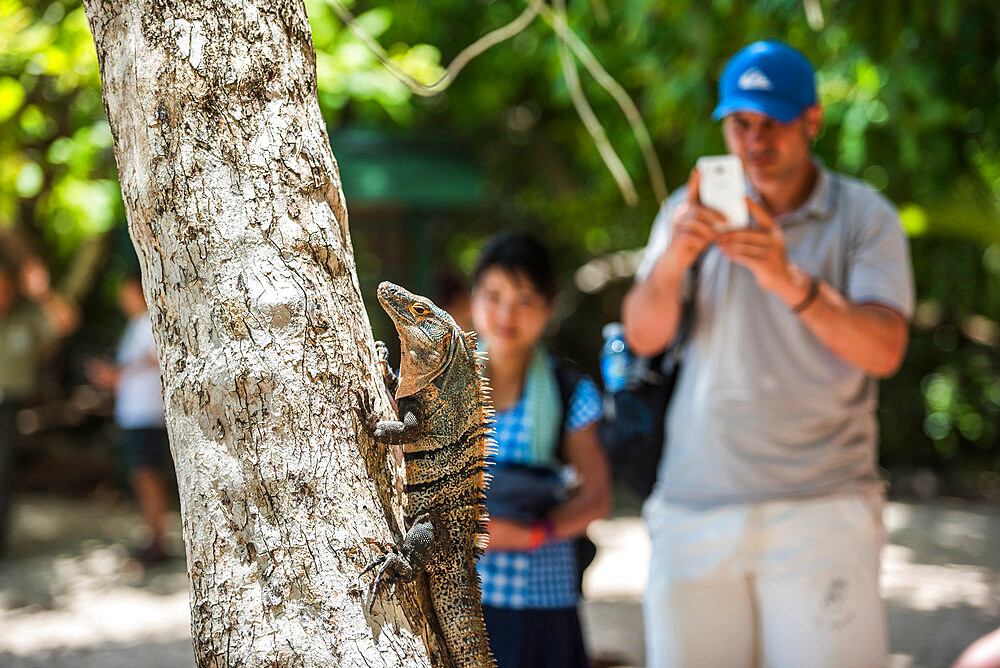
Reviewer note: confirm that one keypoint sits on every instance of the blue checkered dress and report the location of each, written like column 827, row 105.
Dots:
column 545, row 578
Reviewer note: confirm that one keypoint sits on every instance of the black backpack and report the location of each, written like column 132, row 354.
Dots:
column 632, row 427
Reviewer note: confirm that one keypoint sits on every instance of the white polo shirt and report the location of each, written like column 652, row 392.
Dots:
column 762, row 409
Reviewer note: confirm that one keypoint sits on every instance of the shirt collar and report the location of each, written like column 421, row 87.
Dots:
column 821, row 203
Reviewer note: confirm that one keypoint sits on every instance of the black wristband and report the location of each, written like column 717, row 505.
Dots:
column 810, row 296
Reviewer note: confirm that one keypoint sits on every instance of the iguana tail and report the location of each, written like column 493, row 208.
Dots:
column 457, row 602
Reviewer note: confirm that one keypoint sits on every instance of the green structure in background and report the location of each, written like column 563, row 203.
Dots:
column 380, row 168
column 407, row 193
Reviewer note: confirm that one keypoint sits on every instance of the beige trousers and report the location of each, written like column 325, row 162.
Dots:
column 779, row 584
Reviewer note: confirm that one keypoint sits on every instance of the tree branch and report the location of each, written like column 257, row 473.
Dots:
column 616, row 91
column 589, row 118
column 583, row 108
column 464, row 57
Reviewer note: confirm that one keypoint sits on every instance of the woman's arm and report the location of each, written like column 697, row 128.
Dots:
column 591, row 501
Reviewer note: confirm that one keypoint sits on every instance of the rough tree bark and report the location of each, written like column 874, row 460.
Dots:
column 235, row 208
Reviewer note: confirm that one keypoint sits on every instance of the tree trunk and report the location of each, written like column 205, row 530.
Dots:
column 235, row 208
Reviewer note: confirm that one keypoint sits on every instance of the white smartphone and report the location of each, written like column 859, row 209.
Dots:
column 723, row 188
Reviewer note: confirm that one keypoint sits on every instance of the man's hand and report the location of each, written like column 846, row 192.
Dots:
column 34, row 279
column 651, row 309
column 764, row 253
column 694, row 228
column 102, row 374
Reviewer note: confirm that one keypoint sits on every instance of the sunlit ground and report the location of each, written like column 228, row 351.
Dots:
column 69, row 595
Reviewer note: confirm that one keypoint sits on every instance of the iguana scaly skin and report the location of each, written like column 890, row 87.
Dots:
column 444, row 427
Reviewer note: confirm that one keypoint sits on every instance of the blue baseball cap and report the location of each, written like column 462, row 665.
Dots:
column 769, row 78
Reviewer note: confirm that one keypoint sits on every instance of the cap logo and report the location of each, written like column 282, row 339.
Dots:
column 754, row 79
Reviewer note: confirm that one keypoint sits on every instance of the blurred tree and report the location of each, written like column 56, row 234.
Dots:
column 235, row 208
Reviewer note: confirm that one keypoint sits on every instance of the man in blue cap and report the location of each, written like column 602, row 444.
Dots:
column 766, row 517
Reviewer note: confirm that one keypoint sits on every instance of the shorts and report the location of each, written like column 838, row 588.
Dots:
column 146, row 449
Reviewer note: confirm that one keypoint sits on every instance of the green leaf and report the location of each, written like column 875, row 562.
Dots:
column 11, row 97
column 914, row 220
column 29, row 180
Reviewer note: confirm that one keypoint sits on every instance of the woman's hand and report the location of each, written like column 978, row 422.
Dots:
column 508, row 534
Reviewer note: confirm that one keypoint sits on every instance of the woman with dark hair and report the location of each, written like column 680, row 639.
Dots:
column 551, row 476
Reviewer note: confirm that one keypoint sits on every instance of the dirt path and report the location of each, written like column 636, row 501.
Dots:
column 70, row 597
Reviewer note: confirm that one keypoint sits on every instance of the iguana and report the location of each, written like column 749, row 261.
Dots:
column 445, row 416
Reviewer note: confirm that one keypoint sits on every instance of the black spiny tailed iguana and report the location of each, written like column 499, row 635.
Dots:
column 445, row 413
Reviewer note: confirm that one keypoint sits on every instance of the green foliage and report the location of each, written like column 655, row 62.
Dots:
column 909, row 87
column 58, row 182
column 347, row 71
column 907, row 103
column 57, row 177
column 942, row 411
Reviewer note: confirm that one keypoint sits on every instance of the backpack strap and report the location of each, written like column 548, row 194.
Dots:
column 671, row 357
column 567, row 376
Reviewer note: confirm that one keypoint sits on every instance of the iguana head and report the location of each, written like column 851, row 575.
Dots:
column 428, row 337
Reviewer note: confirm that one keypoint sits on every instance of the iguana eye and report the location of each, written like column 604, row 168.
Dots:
column 419, row 309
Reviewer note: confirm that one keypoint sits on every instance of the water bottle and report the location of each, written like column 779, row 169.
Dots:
column 615, row 358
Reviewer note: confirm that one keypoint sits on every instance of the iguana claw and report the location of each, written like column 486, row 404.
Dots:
column 393, row 563
column 382, row 352
column 401, row 564
column 363, row 410
column 389, row 377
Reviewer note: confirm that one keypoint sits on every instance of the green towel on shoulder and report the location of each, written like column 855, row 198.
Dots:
column 542, row 407
column 543, row 411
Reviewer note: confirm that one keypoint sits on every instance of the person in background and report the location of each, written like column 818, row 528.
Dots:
column 529, row 572
column 766, row 516
column 32, row 318
column 452, row 295
column 135, row 380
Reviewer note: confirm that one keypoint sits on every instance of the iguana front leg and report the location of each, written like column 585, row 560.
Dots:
column 404, row 430
column 403, row 564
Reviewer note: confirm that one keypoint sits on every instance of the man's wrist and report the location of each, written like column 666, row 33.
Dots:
column 809, row 298
column 796, row 288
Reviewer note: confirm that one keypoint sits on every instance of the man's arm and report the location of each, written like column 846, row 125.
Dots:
column 869, row 336
column 652, row 308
